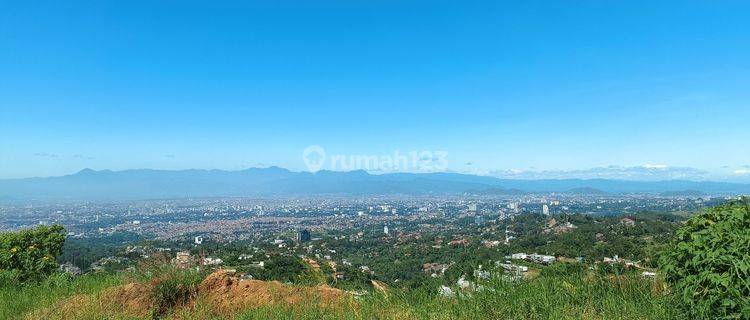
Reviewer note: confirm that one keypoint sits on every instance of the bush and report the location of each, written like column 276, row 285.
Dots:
column 173, row 288
column 284, row 268
column 30, row 254
column 708, row 266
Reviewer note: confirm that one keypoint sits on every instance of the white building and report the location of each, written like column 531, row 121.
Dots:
column 519, row 256
column 212, row 261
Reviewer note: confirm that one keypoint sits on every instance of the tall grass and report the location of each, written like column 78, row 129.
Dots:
column 548, row 297
column 16, row 300
column 576, row 296
column 558, row 297
column 174, row 288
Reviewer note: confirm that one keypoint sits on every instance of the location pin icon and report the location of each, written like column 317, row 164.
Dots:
column 314, row 157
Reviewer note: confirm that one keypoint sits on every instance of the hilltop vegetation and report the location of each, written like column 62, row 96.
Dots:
column 178, row 295
column 30, row 254
column 708, row 264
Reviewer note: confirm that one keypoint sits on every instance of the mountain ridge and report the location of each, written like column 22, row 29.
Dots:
column 276, row 181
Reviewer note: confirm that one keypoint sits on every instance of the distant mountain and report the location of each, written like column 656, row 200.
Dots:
column 683, row 193
column 497, row 192
column 90, row 184
column 586, row 191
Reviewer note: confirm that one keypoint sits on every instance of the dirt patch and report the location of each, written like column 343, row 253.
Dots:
column 224, row 292
column 313, row 264
column 227, row 293
column 134, row 299
column 130, row 300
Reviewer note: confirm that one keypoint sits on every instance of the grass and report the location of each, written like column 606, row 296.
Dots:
column 174, row 288
column 577, row 296
column 20, row 299
column 546, row 297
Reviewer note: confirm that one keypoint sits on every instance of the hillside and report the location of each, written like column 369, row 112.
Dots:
column 223, row 295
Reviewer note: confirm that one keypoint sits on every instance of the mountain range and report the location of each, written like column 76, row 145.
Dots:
column 91, row 184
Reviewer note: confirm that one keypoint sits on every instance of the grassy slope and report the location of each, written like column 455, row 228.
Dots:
column 569, row 297
column 18, row 300
column 547, row 297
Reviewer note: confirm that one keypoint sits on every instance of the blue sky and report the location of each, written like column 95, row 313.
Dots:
column 501, row 87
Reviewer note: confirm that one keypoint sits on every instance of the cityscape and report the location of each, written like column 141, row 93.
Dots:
column 374, row 160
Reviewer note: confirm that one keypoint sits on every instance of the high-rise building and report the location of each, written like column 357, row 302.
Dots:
column 545, row 210
column 473, row 207
column 385, row 230
column 303, row 235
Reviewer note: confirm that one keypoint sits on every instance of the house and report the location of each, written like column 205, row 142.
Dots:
column 462, row 242
column 567, row 227
column 519, row 256
column 513, row 267
column 183, row 260
column 558, row 229
column 436, row 268
column 365, row 269
column 539, row 258
column 551, row 223
column 212, row 261
column 628, row 222
column 70, row 269
column 490, row 244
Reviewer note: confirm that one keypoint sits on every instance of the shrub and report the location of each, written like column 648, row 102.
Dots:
column 30, row 254
column 284, row 268
column 708, row 266
column 173, row 288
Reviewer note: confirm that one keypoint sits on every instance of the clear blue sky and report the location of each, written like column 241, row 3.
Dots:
column 497, row 85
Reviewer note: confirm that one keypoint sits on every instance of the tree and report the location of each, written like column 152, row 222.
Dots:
column 708, row 265
column 285, row 268
column 30, row 254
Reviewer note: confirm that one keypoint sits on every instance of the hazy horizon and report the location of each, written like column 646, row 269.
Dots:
column 613, row 173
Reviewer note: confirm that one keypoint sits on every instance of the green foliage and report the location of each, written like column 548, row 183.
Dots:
column 555, row 297
column 573, row 296
column 285, row 268
column 20, row 299
column 709, row 264
column 594, row 236
column 81, row 252
column 611, row 268
column 30, row 254
column 564, row 269
column 174, row 289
